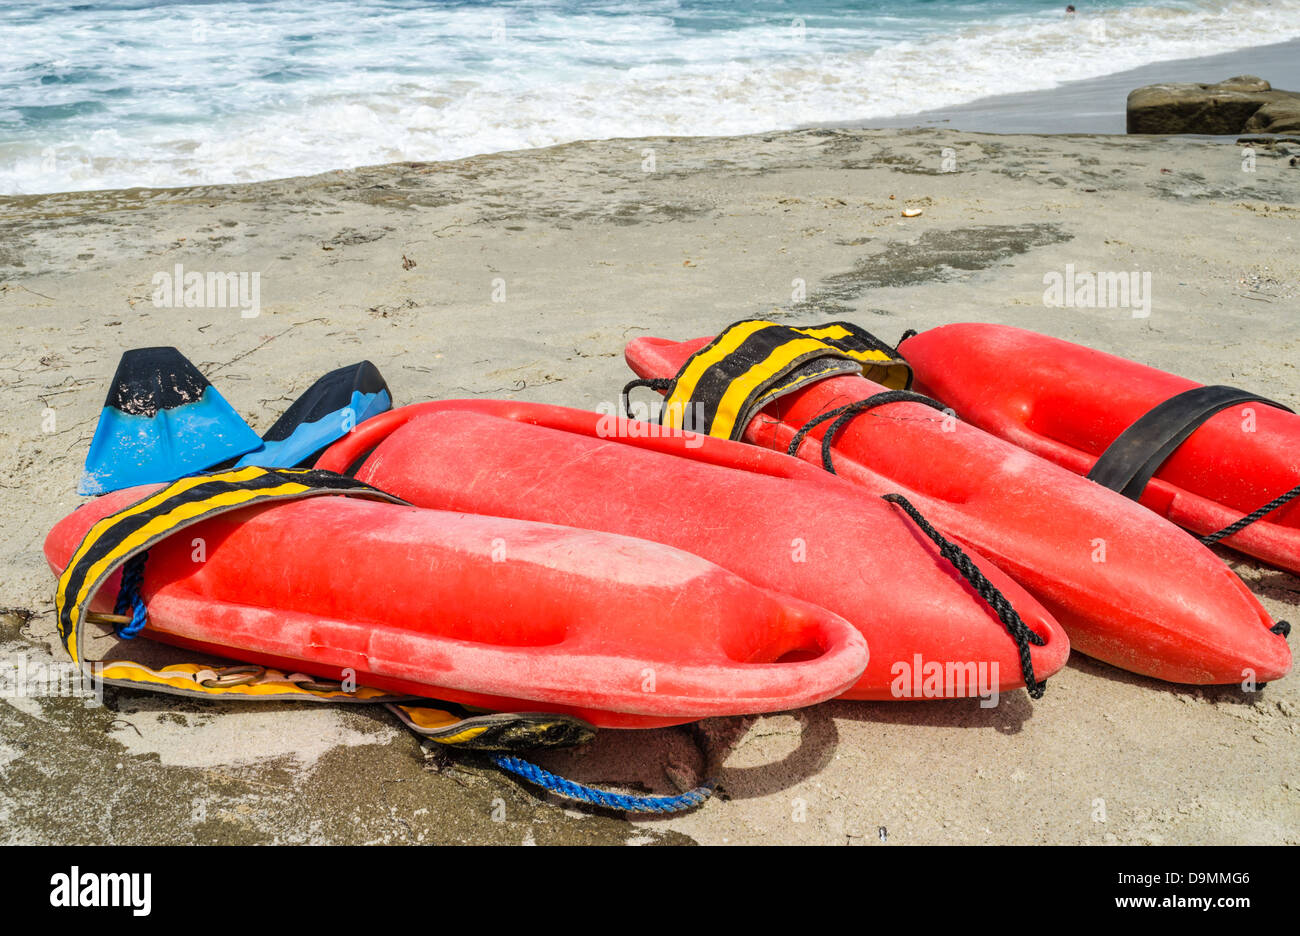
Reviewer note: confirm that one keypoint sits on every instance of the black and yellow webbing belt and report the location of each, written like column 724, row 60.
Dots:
column 753, row 362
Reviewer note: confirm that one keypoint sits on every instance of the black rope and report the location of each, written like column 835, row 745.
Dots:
column 1250, row 518
column 907, row 334
column 654, row 383
column 1003, row 608
column 843, row 415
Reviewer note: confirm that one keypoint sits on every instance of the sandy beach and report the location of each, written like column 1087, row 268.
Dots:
column 522, row 275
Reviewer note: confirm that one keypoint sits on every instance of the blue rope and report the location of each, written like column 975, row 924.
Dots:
column 640, row 804
column 128, row 597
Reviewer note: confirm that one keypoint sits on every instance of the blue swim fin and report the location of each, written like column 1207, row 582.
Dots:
column 329, row 409
column 162, row 420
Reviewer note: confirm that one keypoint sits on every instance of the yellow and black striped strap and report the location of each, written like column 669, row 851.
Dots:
column 495, row 731
column 751, row 363
column 116, row 538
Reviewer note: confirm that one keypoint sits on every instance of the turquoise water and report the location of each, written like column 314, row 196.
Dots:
column 97, row 95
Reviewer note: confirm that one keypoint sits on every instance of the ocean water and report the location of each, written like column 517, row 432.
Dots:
column 161, row 93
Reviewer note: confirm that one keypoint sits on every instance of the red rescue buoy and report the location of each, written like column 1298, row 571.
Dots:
column 1128, row 587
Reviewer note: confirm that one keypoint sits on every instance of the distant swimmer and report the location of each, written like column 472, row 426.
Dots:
column 1069, row 10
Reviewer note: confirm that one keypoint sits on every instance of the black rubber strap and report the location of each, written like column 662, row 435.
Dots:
column 1129, row 462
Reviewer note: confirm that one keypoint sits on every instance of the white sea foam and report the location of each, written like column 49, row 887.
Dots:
column 228, row 92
